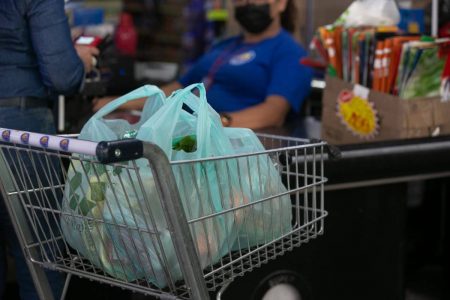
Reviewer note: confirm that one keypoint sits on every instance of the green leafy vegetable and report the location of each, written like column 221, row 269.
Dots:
column 187, row 143
column 98, row 191
column 86, row 206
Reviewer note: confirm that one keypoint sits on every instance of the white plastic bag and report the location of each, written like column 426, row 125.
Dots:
column 370, row 13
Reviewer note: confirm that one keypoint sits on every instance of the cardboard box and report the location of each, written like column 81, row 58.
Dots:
column 354, row 114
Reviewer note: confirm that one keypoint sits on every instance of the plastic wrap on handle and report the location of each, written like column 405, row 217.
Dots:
column 106, row 152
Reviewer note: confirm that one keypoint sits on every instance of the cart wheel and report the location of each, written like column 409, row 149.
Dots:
column 283, row 285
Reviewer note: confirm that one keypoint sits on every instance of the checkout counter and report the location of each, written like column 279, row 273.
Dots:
column 388, row 218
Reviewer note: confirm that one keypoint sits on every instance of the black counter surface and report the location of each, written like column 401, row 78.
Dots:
column 374, row 244
column 397, row 160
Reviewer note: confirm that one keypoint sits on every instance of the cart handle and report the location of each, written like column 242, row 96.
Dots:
column 105, row 151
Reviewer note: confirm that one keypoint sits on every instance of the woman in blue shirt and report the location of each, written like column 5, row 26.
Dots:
column 254, row 79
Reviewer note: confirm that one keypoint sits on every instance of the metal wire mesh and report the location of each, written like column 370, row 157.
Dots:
column 117, row 213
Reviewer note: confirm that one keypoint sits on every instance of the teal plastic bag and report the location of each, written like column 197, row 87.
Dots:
column 98, row 128
column 89, row 186
column 203, row 188
column 132, row 240
column 271, row 219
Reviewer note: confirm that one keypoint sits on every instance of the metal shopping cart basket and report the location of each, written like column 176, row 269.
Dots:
column 34, row 177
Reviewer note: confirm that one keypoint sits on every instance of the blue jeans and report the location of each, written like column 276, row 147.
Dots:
column 34, row 120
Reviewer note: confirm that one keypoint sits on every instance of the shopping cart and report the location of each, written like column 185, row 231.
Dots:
column 34, row 176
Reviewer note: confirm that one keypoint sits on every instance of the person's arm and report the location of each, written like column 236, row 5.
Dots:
column 289, row 86
column 61, row 69
column 195, row 74
column 270, row 113
column 137, row 104
column 169, row 88
column 86, row 54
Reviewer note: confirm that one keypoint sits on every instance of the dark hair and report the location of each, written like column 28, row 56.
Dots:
column 288, row 16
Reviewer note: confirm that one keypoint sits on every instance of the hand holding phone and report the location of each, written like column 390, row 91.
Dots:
column 87, row 55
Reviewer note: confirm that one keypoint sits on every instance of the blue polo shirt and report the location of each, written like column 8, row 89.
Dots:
column 244, row 74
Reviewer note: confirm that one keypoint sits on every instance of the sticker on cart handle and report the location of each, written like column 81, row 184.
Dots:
column 358, row 114
column 6, row 135
column 44, row 141
column 64, row 144
column 25, row 138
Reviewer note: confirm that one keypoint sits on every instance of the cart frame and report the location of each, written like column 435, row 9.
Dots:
column 177, row 222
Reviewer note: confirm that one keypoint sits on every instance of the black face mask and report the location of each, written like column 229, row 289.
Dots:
column 253, row 18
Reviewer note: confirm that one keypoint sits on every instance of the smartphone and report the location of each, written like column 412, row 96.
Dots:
column 91, row 41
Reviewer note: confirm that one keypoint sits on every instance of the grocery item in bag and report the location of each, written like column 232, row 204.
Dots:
column 270, row 219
